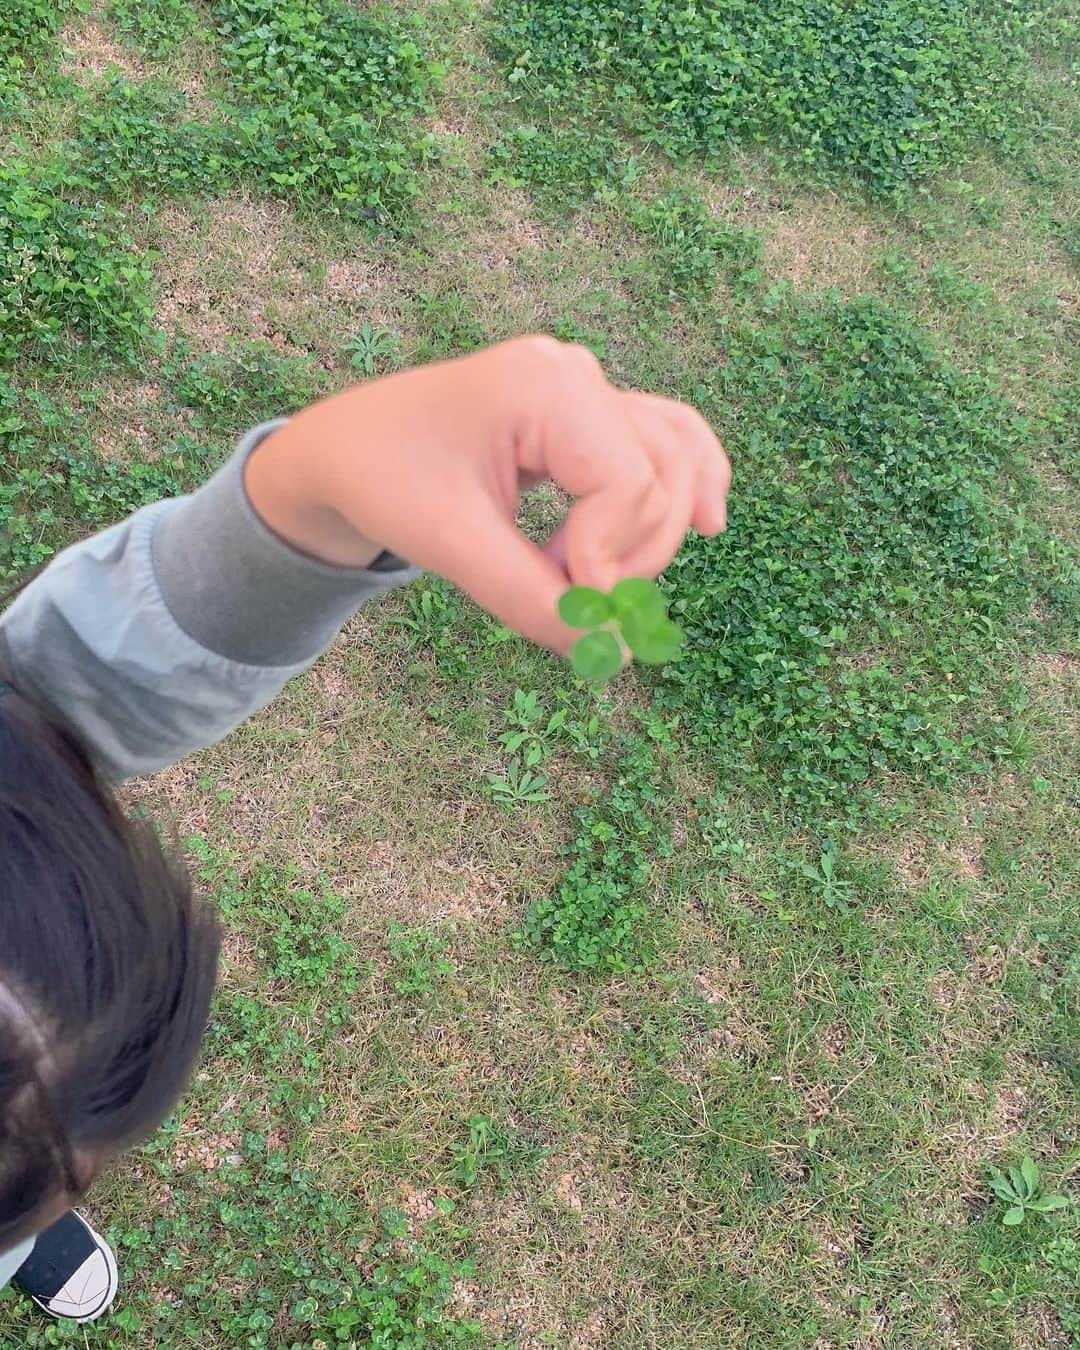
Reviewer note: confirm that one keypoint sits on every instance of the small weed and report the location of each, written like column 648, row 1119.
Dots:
column 433, row 621
column 372, row 350
column 490, row 1149
column 528, row 742
column 903, row 273
column 419, row 957
column 295, row 932
column 520, row 783
column 833, row 891
column 303, row 949
column 529, row 725
column 1020, row 1190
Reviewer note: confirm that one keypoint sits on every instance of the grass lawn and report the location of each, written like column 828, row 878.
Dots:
column 707, row 1034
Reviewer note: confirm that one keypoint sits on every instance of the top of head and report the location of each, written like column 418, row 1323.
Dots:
column 107, row 965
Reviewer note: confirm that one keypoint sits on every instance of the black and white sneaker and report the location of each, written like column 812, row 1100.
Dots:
column 71, row 1272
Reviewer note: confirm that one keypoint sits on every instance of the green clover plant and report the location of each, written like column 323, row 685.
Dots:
column 630, row 618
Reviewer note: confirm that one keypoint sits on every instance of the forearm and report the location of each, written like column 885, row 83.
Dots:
column 159, row 636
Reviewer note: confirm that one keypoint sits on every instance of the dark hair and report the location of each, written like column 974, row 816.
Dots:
column 107, row 967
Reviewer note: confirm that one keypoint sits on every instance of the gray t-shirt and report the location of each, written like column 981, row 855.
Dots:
column 159, row 636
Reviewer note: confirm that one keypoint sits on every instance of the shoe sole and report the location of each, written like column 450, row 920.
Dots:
column 110, row 1294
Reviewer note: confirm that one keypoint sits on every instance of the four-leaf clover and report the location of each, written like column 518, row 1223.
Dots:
column 630, row 619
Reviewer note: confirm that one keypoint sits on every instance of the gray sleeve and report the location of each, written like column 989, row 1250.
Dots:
column 160, row 635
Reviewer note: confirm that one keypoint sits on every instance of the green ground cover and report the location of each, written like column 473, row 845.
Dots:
column 692, row 1013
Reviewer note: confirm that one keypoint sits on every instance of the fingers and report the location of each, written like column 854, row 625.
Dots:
column 710, row 510
column 604, row 531
column 691, row 436
column 615, row 448
column 688, row 478
column 555, row 548
column 678, row 466
column 586, row 439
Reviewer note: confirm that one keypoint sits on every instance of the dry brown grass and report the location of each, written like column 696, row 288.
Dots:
column 339, row 779
column 229, row 270
column 815, row 241
column 91, row 52
column 835, row 240
column 826, row 243
column 129, row 418
column 919, row 860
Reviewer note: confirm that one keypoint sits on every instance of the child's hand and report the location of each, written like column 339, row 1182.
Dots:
column 430, row 464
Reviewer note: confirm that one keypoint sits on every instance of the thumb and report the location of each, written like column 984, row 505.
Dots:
column 555, row 548
column 514, row 579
